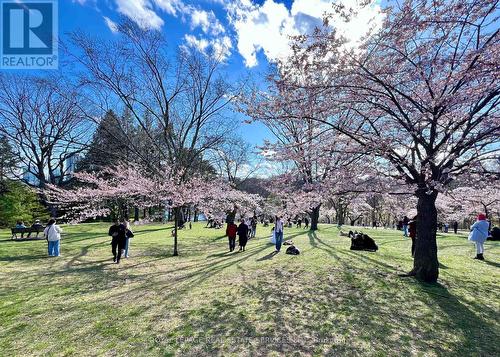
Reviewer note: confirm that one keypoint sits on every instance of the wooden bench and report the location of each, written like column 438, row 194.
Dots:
column 28, row 230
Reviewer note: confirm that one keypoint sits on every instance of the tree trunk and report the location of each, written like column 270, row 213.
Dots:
column 176, row 213
column 314, row 218
column 195, row 218
column 136, row 214
column 425, row 263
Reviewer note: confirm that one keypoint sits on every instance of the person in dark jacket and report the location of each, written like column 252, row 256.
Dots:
column 118, row 232
column 412, row 228
column 231, row 231
column 455, row 227
column 242, row 235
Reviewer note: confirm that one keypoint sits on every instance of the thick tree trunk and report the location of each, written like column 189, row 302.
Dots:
column 136, row 214
column 195, row 216
column 176, row 213
column 425, row 263
column 314, row 218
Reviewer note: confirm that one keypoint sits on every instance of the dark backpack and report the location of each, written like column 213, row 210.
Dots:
column 292, row 250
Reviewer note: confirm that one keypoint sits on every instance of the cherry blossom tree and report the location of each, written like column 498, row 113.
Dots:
column 96, row 192
column 421, row 96
column 319, row 156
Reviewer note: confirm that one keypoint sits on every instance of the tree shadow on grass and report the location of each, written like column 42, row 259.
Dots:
column 267, row 256
column 477, row 333
column 83, row 252
column 183, row 280
column 28, row 257
column 218, row 255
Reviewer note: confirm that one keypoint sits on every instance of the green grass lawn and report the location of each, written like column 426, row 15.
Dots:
column 327, row 301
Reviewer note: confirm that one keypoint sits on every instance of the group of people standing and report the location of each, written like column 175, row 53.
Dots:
column 246, row 231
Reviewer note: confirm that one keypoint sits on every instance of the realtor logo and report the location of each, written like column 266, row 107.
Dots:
column 28, row 34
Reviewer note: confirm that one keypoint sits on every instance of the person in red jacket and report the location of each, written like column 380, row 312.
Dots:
column 231, row 234
column 412, row 228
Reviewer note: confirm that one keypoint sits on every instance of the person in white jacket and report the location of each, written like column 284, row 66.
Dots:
column 478, row 234
column 53, row 234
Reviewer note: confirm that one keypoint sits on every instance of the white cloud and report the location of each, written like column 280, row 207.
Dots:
column 140, row 12
column 222, row 47
column 200, row 44
column 268, row 27
column 262, row 28
column 219, row 47
column 170, row 6
column 111, row 24
column 207, row 21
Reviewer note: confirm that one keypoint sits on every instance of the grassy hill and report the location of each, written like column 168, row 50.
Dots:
column 327, row 301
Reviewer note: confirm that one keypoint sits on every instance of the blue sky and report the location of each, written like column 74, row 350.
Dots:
column 250, row 34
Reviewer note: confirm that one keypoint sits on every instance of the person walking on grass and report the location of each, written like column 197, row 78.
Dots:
column 53, row 235
column 455, row 227
column 478, row 234
column 118, row 233
column 306, row 223
column 231, row 231
column 128, row 235
column 242, row 234
column 278, row 233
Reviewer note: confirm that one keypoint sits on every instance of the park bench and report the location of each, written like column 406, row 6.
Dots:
column 27, row 230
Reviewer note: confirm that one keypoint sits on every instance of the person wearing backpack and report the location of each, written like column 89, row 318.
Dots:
column 231, row 231
column 53, row 235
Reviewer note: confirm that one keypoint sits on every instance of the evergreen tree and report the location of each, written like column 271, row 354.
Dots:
column 110, row 143
column 8, row 161
column 18, row 202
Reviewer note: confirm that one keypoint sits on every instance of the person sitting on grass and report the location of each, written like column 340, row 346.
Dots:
column 53, row 234
column 242, row 234
column 118, row 233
